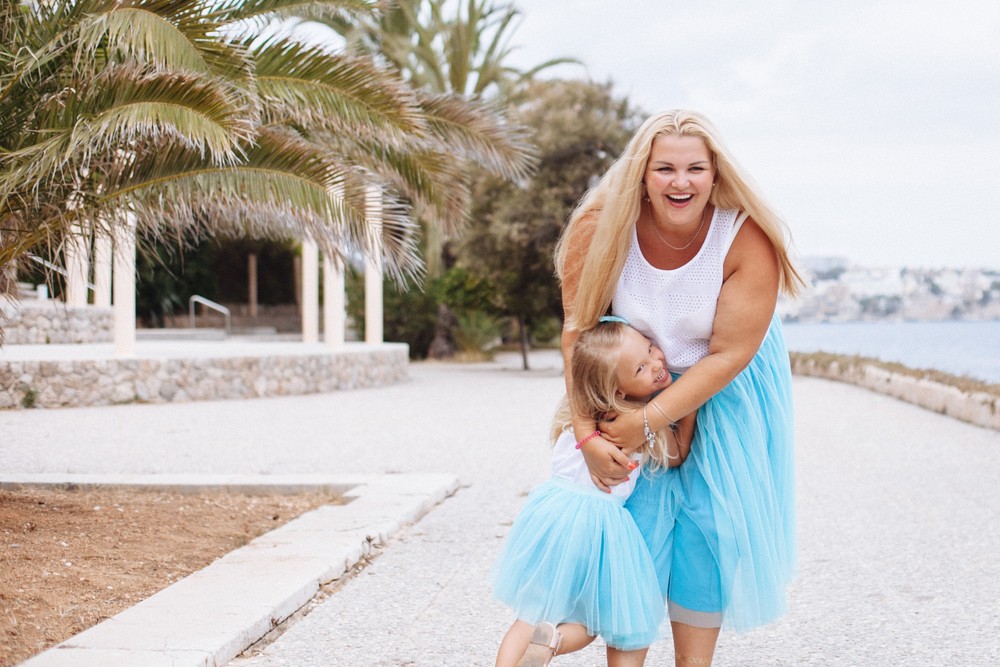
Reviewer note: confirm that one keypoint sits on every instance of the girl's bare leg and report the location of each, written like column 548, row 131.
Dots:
column 574, row 637
column 618, row 658
column 693, row 646
column 515, row 642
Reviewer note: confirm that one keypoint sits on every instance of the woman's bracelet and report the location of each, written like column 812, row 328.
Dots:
column 588, row 438
column 650, row 436
column 671, row 424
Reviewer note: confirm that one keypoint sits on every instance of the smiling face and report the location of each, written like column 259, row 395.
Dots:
column 678, row 180
column 642, row 368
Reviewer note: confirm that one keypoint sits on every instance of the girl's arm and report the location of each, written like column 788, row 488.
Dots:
column 746, row 304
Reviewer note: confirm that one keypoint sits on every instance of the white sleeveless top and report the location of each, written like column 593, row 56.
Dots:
column 676, row 307
column 568, row 464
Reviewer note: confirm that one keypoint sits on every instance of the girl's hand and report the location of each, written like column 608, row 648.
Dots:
column 607, row 463
column 625, row 431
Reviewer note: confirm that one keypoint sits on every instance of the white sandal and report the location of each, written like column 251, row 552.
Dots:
column 544, row 646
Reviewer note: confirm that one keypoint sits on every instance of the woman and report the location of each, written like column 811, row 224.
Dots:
column 675, row 239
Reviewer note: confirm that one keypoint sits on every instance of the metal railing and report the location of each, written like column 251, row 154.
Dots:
column 208, row 303
column 58, row 269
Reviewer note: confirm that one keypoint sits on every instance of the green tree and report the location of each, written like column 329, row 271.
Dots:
column 580, row 128
column 181, row 112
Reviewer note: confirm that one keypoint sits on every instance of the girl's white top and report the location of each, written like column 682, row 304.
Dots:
column 568, row 464
column 676, row 307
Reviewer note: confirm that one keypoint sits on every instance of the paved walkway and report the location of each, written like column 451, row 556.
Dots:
column 899, row 513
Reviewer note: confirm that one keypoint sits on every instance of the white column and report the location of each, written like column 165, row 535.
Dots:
column 102, row 268
column 310, row 291
column 373, row 268
column 334, row 317
column 124, row 285
column 76, row 251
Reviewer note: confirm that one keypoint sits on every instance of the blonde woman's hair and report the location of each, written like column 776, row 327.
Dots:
column 611, row 209
column 594, row 386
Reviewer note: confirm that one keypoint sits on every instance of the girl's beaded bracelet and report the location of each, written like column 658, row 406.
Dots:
column 589, row 437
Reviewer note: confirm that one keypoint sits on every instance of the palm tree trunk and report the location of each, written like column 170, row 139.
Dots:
column 523, row 327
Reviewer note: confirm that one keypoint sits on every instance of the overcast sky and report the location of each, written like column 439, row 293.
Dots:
column 873, row 126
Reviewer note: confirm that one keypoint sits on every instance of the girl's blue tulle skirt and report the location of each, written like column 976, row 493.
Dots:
column 727, row 551
column 574, row 554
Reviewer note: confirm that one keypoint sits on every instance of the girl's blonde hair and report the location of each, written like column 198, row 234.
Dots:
column 612, row 208
column 594, row 386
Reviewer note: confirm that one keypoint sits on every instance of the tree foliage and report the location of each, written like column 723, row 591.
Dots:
column 579, row 128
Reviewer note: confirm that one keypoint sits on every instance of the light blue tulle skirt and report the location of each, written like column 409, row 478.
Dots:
column 726, row 551
column 574, row 554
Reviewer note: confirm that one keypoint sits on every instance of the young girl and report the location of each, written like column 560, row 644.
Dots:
column 574, row 555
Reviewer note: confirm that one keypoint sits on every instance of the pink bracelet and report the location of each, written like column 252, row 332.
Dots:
column 592, row 435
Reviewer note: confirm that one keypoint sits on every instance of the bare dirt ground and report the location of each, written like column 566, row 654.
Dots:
column 72, row 558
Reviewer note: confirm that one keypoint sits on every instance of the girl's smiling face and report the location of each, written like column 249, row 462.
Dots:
column 642, row 368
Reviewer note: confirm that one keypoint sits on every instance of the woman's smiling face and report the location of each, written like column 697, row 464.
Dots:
column 642, row 368
column 678, row 179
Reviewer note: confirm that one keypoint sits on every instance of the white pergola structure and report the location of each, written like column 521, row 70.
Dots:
column 114, row 283
column 334, row 318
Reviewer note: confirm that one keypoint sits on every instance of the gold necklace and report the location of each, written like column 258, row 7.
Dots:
column 652, row 219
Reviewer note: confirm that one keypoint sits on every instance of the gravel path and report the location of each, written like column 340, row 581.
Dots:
column 899, row 513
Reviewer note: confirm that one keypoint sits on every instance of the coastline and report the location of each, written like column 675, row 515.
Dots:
column 961, row 398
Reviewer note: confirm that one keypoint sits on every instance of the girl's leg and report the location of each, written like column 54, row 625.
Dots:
column 574, row 637
column 618, row 658
column 514, row 644
column 693, row 645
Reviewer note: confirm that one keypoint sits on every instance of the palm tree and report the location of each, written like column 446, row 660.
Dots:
column 180, row 111
column 464, row 51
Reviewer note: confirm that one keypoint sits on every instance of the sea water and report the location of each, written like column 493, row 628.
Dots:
column 970, row 349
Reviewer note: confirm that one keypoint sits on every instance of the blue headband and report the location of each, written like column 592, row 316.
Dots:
column 613, row 318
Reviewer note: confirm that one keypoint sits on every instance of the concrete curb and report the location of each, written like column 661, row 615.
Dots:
column 211, row 616
column 977, row 408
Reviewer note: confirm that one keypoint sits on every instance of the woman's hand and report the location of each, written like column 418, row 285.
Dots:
column 625, row 431
column 608, row 464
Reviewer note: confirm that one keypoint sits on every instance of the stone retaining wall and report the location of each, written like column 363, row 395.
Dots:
column 979, row 408
column 73, row 383
column 51, row 322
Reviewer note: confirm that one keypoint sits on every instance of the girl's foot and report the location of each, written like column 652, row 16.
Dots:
column 544, row 646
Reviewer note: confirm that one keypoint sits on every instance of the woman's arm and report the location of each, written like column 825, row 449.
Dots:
column 746, row 304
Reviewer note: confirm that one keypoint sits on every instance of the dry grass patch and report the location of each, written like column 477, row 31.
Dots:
column 72, row 558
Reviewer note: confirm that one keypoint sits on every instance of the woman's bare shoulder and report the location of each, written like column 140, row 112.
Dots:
column 751, row 250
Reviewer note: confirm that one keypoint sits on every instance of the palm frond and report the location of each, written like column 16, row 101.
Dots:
column 478, row 132
column 259, row 13
column 167, row 34
column 123, row 108
column 309, row 87
column 432, row 179
column 286, row 187
column 530, row 72
column 38, row 43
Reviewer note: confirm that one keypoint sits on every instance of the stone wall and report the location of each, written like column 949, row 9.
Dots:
column 975, row 407
column 32, row 322
column 90, row 382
